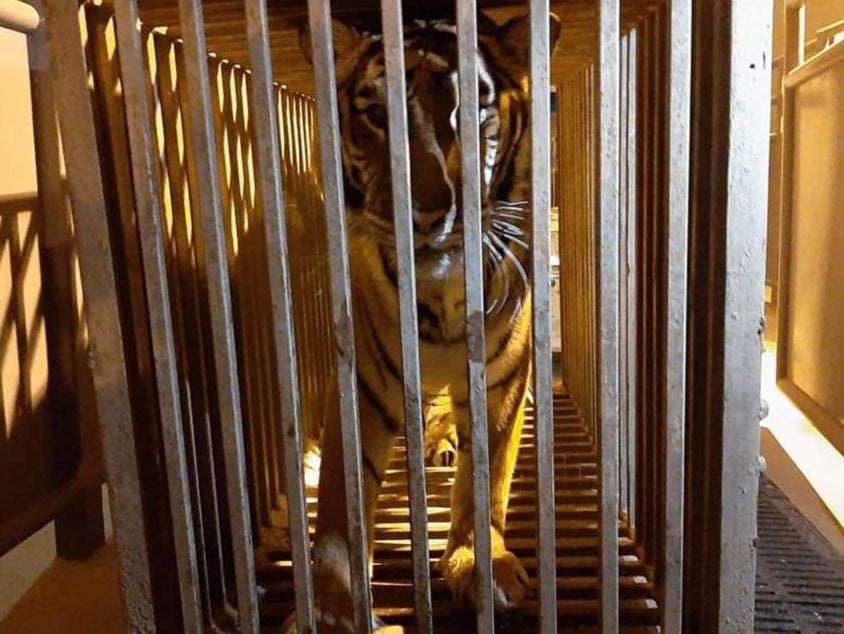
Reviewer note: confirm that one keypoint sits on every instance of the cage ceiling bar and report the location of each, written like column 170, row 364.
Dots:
column 147, row 196
column 266, row 138
column 319, row 18
column 106, row 351
column 606, row 119
column 470, row 153
column 393, row 26
column 222, row 331
column 540, row 205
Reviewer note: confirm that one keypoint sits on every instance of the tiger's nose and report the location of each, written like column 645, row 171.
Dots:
column 427, row 220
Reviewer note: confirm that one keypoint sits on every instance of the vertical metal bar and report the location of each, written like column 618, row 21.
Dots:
column 623, row 299
column 148, row 213
column 746, row 213
column 106, row 354
column 319, row 15
column 543, row 380
column 605, row 118
column 205, row 153
column 631, row 272
column 677, row 166
column 266, row 136
column 393, row 25
column 467, row 42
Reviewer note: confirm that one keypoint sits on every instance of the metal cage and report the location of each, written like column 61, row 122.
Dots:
column 208, row 216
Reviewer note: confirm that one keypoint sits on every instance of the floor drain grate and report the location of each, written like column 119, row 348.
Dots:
column 799, row 576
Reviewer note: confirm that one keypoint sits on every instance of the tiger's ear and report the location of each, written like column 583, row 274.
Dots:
column 346, row 39
column 515, row 37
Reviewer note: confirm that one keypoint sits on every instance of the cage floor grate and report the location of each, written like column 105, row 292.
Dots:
column 799, row 576
column 577, row 543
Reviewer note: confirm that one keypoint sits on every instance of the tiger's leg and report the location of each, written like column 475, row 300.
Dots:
column 440, row 433
column 332, row 581
column 505, row 404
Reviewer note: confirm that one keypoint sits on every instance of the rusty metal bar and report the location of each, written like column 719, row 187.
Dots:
column 624, row 360
column 319, row 16
column 179, row 167
column 749, row 80
column 467, row 37
column 266, row 136
column 148, row 214
column 98, row 283
column 606, row 143
column 629, row 250
column 393, row 25
column 543, row 379
column 204, row 149
column 677, row 166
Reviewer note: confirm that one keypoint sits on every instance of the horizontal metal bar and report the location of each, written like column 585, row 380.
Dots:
column 319, row 14
column 467, row 35
column 540, row 134
column 391, row 15
column 16, row 203
column 266, row 136
column 19, row 16
column 219, row 295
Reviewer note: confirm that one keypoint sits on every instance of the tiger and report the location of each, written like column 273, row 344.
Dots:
column 431, row 65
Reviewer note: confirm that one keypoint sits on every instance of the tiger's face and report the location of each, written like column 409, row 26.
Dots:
column 431, row 65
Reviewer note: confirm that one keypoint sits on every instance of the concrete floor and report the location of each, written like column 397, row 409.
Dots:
column 84, row 598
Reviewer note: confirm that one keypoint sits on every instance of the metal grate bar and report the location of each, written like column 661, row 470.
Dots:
column 209, row 201
column 467, row 35
column 148, row 213
column 677, row 161
column 319, row 14
column 266, row 136
column 540, row 73
column 391, row 15
column 606, row 119
column 106, row 353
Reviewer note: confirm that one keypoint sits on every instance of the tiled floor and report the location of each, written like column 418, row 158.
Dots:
column 72, row 598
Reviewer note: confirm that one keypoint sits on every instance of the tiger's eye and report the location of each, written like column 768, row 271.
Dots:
column 377, row 115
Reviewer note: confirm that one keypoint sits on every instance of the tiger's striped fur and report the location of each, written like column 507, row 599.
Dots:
column 432, row 106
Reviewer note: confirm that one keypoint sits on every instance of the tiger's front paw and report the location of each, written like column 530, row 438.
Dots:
column 510, row 580
column 441, row 444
